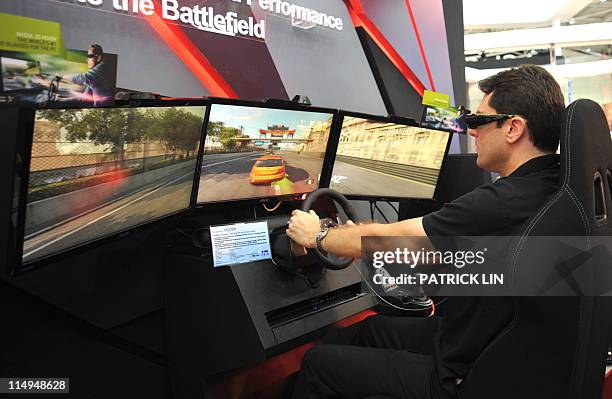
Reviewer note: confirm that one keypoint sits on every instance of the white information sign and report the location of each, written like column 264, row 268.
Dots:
column 240, row 243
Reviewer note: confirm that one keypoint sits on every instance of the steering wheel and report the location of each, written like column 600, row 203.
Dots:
column 330, row 260
column 53, row 89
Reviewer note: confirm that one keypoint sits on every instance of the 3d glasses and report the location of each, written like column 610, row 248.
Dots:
column 475, row 120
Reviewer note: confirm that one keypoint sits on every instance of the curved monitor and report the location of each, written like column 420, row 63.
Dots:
column 254, row 151
column 97, row 172
column 381, row 157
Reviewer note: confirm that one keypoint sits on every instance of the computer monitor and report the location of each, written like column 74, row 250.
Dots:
column 18, row 73
column 387, row 158
column 255, row 151
column 93, row 173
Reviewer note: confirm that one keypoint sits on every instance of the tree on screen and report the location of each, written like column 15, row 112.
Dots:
column 178, row 129
column 228, row 137
column 111, row 127
column 213, row 131
column 217, row 132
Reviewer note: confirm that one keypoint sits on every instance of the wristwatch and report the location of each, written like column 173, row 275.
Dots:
column 322, row 234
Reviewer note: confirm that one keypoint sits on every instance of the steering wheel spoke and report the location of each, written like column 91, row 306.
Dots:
column 330, row 260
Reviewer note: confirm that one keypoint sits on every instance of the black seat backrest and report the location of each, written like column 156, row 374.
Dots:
column 555, row 346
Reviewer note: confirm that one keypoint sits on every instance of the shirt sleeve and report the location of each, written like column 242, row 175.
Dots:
column 89, row 78
column 478, row 213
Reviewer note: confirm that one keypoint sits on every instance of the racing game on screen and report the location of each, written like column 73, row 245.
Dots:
column 95, row 172
column 385, row 159
column 253, row 152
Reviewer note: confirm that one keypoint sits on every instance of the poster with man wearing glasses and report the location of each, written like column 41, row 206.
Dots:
column 37, row 69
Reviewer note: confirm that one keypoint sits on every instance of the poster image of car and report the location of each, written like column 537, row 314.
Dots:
column 449, row 118
column 85, row 78
column 382, row 159
column 252, row 152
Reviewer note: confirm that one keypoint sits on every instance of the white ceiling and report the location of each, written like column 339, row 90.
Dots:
column 478, row 13
column 499, row 15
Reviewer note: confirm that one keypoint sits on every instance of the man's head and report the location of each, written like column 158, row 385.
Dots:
column 534, row 99
column 94, row 55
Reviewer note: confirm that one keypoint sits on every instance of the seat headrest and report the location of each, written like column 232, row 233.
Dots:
column 586, row 157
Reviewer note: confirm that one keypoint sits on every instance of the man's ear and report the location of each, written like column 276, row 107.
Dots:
column 516, row 129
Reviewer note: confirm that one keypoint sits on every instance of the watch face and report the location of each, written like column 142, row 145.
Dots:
column 327, row 223
column 320, row 237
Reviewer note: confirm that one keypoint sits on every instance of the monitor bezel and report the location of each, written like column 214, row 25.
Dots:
column 278, row 105
column 27, row 130
column 400, row 120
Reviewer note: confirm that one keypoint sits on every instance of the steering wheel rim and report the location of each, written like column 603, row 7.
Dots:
column 329, row 260
column 53, row 89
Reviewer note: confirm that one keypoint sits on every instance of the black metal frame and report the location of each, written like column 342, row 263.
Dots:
column 389, row 119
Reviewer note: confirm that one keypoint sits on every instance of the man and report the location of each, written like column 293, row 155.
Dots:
column 99, row 89
column 422, row 358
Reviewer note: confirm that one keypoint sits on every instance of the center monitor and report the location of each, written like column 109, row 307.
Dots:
column 381, row 157
column 95, row 172
column 254, row 151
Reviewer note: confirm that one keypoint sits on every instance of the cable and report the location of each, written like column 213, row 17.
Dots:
column 381, row 212
column 394, row 208
column 183, row 232
column 275, row 207
column 372, row 210
column 434, row 306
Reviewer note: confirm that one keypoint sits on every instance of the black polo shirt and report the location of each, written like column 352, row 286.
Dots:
column 498, row 209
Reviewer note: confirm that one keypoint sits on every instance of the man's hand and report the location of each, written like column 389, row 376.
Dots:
column 303, row 228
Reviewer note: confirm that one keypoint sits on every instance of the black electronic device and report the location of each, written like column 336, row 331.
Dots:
column 96, row 173
column 254, row 151
column 15, row 121
column 387, row 157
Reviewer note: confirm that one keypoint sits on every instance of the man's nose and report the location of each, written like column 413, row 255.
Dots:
column 473, row 133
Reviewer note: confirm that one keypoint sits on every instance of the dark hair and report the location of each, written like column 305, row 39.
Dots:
column 96, row 49
column 532, row 92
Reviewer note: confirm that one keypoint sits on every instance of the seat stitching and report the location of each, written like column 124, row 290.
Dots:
column 554, row 199
column 583, row 218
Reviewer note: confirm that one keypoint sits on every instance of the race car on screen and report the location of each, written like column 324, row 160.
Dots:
column 268, row 169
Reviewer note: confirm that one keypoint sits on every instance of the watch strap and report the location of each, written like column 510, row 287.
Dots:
column 322, row 234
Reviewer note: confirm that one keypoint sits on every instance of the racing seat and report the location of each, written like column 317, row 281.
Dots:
column 555, row 347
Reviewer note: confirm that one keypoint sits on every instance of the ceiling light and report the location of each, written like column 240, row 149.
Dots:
column 529, row 55
column 533, row 52
column 572, row 21
column 494, row 12
column 588, row 50
column 498, row 57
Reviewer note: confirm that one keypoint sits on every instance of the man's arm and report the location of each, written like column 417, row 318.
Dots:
column 346, row 240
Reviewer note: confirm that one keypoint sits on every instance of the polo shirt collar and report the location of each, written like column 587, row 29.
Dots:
column 536, row 164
